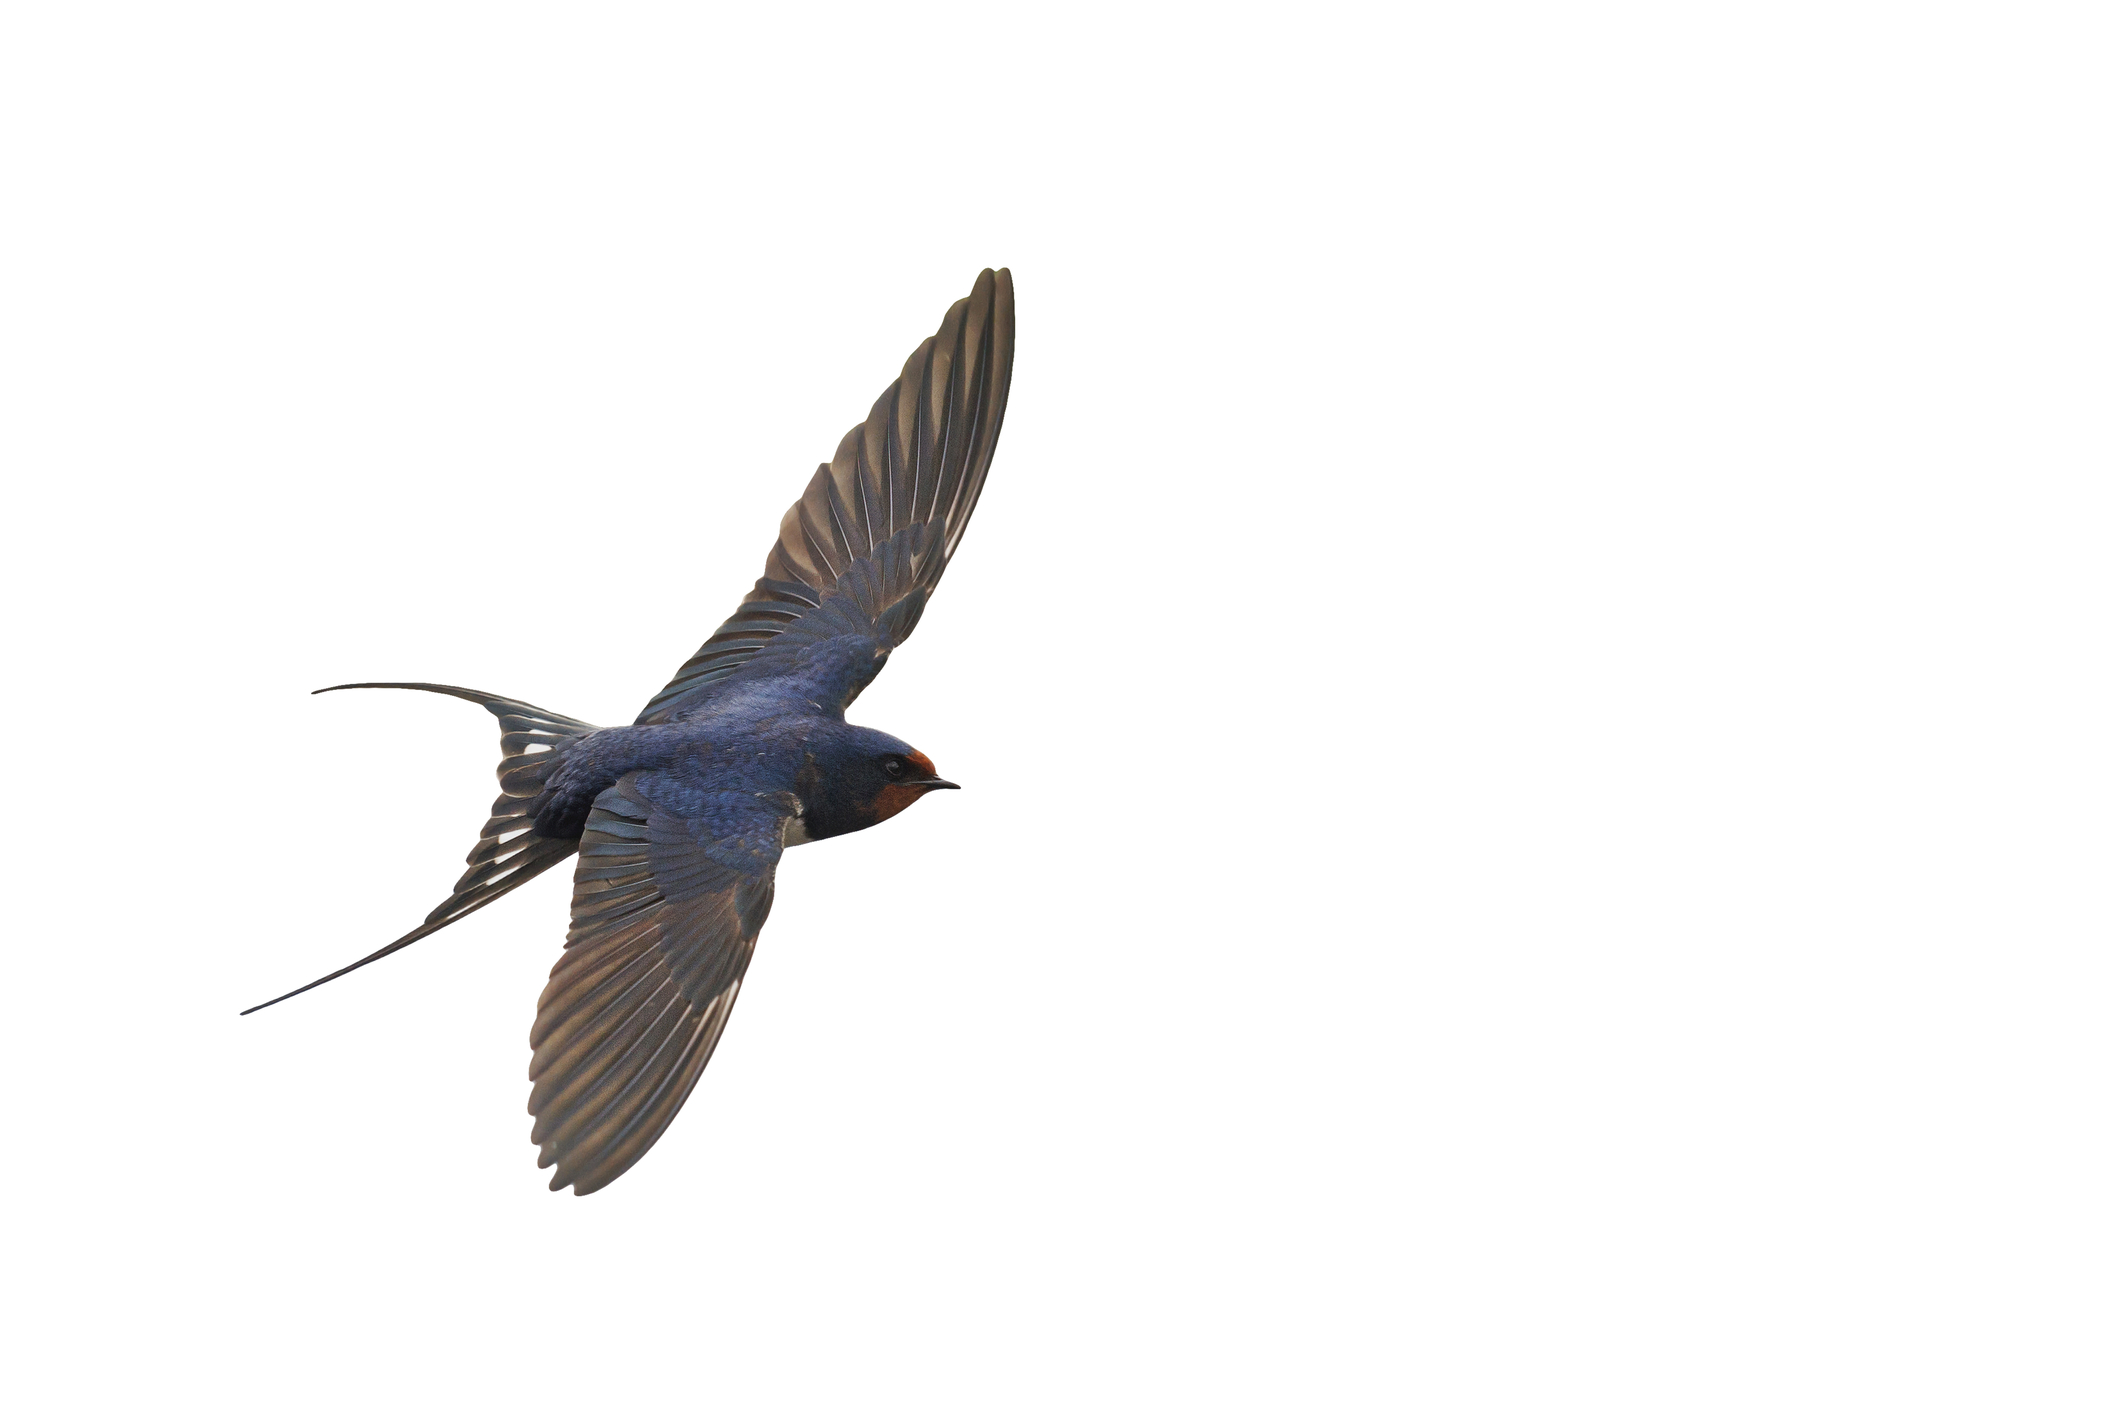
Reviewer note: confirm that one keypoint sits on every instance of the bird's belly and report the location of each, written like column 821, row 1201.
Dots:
column 793, row 833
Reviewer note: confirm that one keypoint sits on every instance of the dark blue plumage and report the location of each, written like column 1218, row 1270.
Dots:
column 679, row 820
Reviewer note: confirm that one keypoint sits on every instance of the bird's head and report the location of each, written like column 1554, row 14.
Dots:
column 863, row 779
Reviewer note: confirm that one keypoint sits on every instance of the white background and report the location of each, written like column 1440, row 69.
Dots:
column 1535, row 684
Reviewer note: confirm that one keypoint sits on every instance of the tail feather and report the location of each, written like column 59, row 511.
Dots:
column 508, row 855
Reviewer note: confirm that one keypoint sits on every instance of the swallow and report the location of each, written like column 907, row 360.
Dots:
column 677, row 822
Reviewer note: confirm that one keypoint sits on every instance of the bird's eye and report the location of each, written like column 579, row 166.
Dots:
column 894, row 769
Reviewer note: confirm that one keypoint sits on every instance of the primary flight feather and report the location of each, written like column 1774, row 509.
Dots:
column 678, row 820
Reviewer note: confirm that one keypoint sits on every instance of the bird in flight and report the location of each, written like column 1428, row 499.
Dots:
column 677, row 822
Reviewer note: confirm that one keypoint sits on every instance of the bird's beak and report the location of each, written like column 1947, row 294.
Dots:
column 939, row 784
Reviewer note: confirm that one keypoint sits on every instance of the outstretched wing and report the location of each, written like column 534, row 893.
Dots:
column 671, row 890
column 863, row 548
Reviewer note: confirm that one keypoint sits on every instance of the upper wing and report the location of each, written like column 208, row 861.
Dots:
column 860, row 552
column 669, row 895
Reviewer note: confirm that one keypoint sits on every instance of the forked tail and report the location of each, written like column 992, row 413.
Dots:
column 508, row 854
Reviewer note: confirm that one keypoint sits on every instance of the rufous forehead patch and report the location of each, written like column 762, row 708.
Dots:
column 921, row 761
